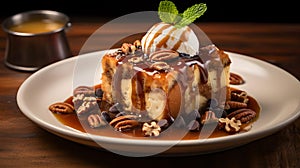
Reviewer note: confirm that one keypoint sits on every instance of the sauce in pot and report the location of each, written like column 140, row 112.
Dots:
column 37, row 26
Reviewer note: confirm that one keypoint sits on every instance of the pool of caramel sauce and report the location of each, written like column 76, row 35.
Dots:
column 71, row 120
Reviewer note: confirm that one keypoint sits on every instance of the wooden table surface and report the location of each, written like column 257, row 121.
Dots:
column 24, row 144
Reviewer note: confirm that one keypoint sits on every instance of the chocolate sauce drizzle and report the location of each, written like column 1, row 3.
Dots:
column 207, row 59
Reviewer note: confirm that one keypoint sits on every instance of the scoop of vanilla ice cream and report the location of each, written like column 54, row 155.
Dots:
column 166, row 36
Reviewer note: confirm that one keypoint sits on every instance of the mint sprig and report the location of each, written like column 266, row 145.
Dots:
column 191, row 14
column 168, row 13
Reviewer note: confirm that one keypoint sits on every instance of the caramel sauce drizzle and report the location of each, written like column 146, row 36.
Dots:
column 71, row 120
column 155, row 35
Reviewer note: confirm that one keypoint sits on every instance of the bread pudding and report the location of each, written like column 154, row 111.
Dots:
column 166, row 78
column 166, row 82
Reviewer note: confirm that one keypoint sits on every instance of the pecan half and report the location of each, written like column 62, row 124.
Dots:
column 160, row 66
column 95, row 121
column 126, row 125
column 125, row 122
column 236, row 79
column 244, row 115
column 234, row 105
column 163, row 55
column 61, row 107
column 85, row 90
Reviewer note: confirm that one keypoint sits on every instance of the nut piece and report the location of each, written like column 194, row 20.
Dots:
column 244, row 115
column 247, row 128
column 236, row 79
column 152, row 129
column 128, row 48
column 160, row 66
column 88, row 105
column 234, row 105
column 124, row 123
column 231, row 125
column 137, row 44
column 240, row 96
column 163, row 55
column 135, row 60
column 125, row 48
column 209, row 117
column 78, row 100
column 85, row 90
column 61, row 107
column 96, row 121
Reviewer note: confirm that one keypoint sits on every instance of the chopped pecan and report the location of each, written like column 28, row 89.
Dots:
column 88, row 105
column 137, row 44
column 152, row 129
column 78, row 100
column 61, row 107
column 209, row 117
column 125, row 122
column 125, row 48
column 128, row 48
column 230, row 125
column 244, row 115
column 240, row 96
column 163, row 55
column 135, row 60
column 247, row 128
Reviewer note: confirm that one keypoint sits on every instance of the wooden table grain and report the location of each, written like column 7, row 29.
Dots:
column 24, row 144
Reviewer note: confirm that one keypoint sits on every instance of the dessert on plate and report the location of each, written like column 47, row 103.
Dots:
column 165, row 76
column 166, row 82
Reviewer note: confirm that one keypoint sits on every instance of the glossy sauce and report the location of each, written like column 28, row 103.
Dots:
column 171, row 133
column 37, row 26
column 73, row 121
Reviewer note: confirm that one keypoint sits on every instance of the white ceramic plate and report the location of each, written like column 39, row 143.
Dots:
column 277, row 91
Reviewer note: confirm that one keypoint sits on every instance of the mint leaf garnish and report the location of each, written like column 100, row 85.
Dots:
column 167, row 11
column 191, row 14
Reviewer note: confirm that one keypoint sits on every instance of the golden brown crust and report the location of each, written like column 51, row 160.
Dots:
column 109, row 66
column 162, row 95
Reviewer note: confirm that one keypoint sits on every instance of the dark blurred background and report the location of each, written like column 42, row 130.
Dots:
column 218, row 10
